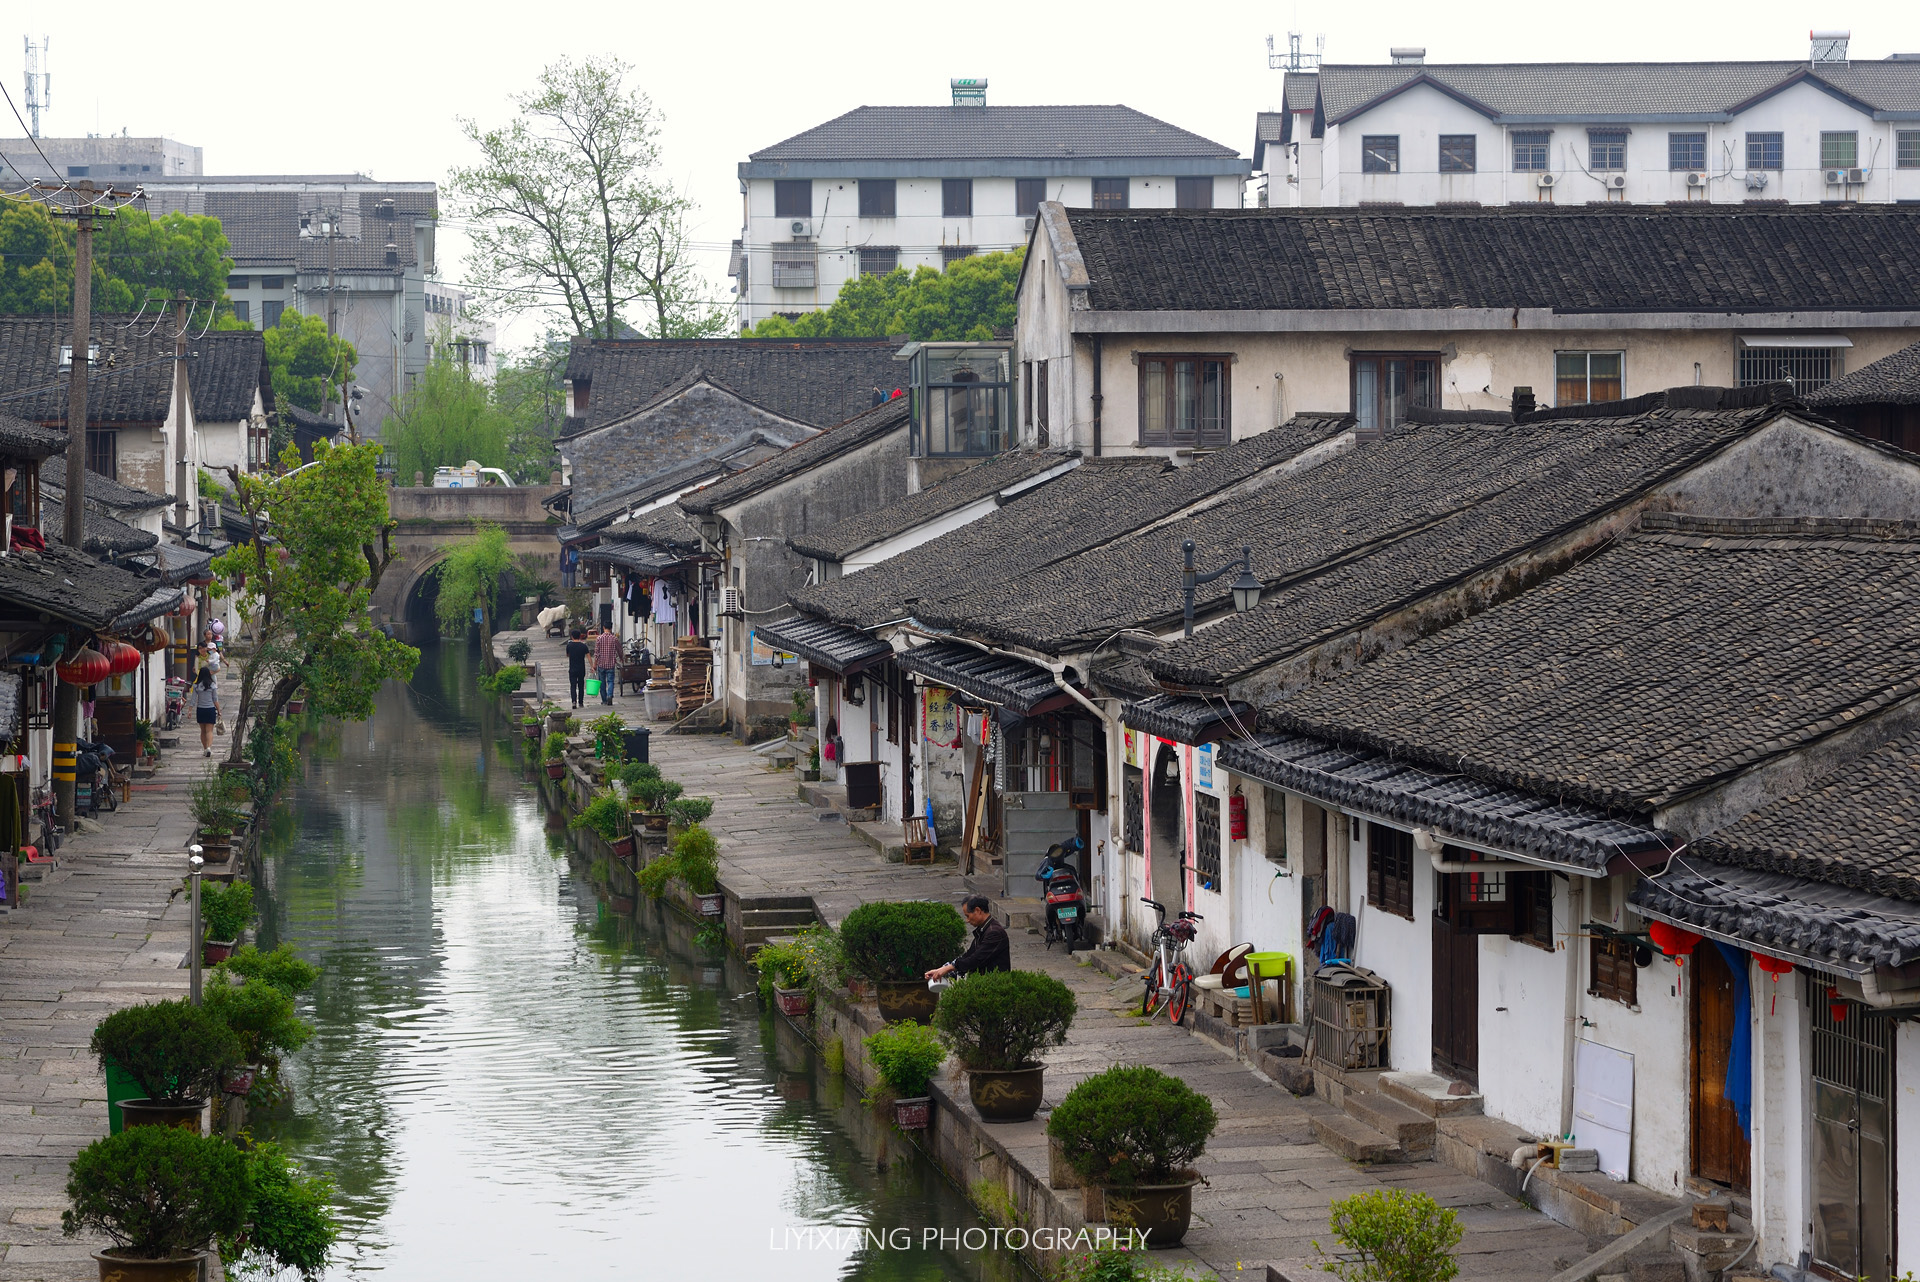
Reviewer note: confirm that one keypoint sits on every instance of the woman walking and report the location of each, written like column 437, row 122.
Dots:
column 206, row 708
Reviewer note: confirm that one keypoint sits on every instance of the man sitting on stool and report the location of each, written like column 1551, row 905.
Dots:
column 990, row 949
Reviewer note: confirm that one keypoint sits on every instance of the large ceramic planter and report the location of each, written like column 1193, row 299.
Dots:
column 913, row 1114
column 906, row 999
column 556, row 723
column 795, row 1003
column 215, row 848
column 146, row 1112
column 215, row 951
column 556, row 770
column 533, row 731
column 115, row 1267
column 1006, row 1095
column 622, row 847
column 1163, row 1211
column 656, row 820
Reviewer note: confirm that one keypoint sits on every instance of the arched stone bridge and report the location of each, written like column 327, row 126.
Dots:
column 433, row 520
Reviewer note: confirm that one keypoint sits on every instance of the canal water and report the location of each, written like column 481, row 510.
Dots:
column 509, row 1080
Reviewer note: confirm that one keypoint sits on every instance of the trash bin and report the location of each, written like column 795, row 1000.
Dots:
column 120, row 1085
column 634, row 739
column 606, row 614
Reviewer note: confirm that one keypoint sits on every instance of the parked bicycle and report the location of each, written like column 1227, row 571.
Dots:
column 1169, row 979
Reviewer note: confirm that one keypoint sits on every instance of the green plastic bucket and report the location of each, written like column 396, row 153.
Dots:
column 120, row 1085
column 593, row 685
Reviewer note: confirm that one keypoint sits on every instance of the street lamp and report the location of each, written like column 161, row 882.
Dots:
column 1246, row 588
column 194, row 865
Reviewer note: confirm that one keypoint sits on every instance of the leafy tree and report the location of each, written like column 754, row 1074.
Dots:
column 527, row 390
column 319, row 546
column 970, row 300
column 568, row 197
column 137, row 258
column 447, row 418
column 305, row 363
column 470, row 579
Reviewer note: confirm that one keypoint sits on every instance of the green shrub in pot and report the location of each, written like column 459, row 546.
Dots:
column 520, row 651
column 631, row 773
column 609, row 740
column 1132, row 1125
column 1398, row 1236
column 688, row 811
column 906, row 1055
column 290, row 1221
column 212, row 804
column 556, row 747
column 282, row 968
column 226, row 911
column 260, row 1013
column 781, row 966
column 1002, row 1020
column 901, row 941
column 505, row 681
column 606, row 815
column 821, row 957
column 698, row 857
column 159, row 1192
column 176, row 1051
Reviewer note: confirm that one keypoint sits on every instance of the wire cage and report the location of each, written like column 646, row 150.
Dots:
column 1352, row 1017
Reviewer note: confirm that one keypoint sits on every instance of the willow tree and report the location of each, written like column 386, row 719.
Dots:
column 321, row 539
column 470, row 579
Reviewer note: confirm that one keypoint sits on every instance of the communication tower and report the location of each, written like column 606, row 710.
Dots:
column 39, row 85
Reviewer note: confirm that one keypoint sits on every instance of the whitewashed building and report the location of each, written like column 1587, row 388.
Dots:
column 886, row 187
column 1411, row 132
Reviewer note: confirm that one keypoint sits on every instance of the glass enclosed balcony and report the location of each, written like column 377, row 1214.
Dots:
column 962, row 398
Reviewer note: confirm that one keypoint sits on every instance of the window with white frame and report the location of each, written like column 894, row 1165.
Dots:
column 794, row 265
column 1582, row 378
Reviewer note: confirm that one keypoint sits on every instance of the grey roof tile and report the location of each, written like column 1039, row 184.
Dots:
column 1803, row 920
column 831, row 645
column 71, row 586
column 991, row 132
column 225, row 370
column 864, row 429
column 817, row 381
column 137, row 387
column 838, row 542
column 1891, row 380
column 103, row 491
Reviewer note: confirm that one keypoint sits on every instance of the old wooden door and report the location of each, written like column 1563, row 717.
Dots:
column 1456, row 987
column 1852, row 1128
column 1719, row 1145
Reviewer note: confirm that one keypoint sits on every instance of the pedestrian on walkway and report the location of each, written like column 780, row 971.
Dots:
column 206, row 708
column 606, row 661
column 577, row 651
column 990, row 949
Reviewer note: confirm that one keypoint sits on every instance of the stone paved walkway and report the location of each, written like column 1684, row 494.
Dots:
column 1270, row 1181
column 102, row 931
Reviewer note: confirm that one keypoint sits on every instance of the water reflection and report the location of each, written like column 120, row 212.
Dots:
column 507, row 1073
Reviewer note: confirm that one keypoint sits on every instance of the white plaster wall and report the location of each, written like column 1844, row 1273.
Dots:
column 1781, row 1033
column 1522, row 1023
column 1906, row 1125
column 1266, row 906
column 1215, row 933
column 1400, row 952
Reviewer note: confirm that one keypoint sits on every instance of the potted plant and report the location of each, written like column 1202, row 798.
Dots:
column 607, row 816
column 530, row 725
column 784, row 967
column 556, row 755
column 906, row 1056
column 997, row 1023
column 697, row 856
column 654, row 793
column 290, row 1222
column 894, row 945
column 520, row 650
column 215, row 815
column 144, row 739
column 253, row 992
column 163, row 1195
column 505, row 681
column 1134, row 1132
column 609, row 737
column 177, row 1052
column 225, row 911
column 297, row 704
column 685, row 812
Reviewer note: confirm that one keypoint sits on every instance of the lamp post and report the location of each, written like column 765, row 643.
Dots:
column 194, row 864
column 1246, row 588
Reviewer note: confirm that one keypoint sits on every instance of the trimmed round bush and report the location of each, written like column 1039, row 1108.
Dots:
column 157, row 1191
column 1132, row 1125
column 177, row 1051
column 906, row 1055
column 889, row 941
column 1000, row 1020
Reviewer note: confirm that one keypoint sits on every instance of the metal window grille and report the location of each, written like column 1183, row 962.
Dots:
column 1906, row 149
column 1530, row 151
column 1380, row 154
column 1457, row 153
column 878, row 260
column 103, row 453
column 794, row 265
column 1766, row 151
column 1110, row 193
column 1610, row 970
column 1607, row 149
column 1390, row 870
column 1807, row 367
column 951, row 254
column 1839, row 150
column 1132, row 812
column 1206, row 839
column 1686, row 151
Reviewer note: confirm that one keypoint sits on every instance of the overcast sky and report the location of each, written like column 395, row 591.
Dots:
column 348, row 85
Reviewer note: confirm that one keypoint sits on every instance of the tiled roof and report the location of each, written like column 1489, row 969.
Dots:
column 1470, row 811
column 838, row 542
column 1188, row 719
column 71, row 586
column 1857, row 825
column 1588, row 259
column 105, row 535
column 870, row 428
column 1089, row 507
column 667, row 528
column 22, row 439
column 103, row 490
column 1013, row 684
column 629, row 554
column 263, row 225
column 1661, row 668
column 992, row 132
column 1269, row 130
column 817, row 381
column 227, row 368
column 1891, row 380
column 831, row 645
column 174, row 564
column 136, row 387
column 1596, row 91
column 1802, row 920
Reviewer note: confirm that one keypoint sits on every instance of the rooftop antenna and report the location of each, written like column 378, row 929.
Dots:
column 1295, row 59
column 39, row 85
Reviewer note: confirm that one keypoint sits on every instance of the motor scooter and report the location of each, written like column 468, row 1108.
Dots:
column 1066, row 906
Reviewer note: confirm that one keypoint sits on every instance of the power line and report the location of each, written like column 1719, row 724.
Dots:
column 29, row 133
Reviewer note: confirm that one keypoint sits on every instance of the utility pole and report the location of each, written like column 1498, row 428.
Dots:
column 66, row 702
column 184, row 513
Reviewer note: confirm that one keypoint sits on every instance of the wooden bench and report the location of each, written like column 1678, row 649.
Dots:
column 917, row 844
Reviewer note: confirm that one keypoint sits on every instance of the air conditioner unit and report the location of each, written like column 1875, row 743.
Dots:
column 1836, row 176
column 1545, row 180
column 1856, row 176
column 1756, row 182
column 800, row 228
column 1696, row 180
column 1617, row 182
column 730, row 602
column 1026, row 226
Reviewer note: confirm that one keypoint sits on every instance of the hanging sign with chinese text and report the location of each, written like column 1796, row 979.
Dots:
column 941, row 717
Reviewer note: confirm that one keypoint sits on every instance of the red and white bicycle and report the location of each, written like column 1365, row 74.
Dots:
column 1169, row 979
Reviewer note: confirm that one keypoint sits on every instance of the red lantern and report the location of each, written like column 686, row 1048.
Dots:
column 1775, row 967
column 1673, row 941
column 121, row 657
column 87, row 667
column 1835, row 1006
column 1237, row 816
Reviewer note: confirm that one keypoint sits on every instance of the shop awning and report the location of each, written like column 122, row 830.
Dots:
column 1022, row 688
column 643, row 557
column 1829, row 927
column 832, row 646
column 1464, row 811
column 1188, row 718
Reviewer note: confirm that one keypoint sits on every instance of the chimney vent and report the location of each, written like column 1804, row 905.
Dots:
column 1522, row 403
column 969, row 92
column 1408, row 56
column 1829, row 48
column 393, row 253
column 384, row 208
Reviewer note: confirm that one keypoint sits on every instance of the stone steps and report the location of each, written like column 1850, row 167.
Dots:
column 1411, row 1131
column 1355, row 1140
column 1430, row 1093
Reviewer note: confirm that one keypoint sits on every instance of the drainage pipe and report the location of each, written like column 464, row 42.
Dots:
column 1576, row 899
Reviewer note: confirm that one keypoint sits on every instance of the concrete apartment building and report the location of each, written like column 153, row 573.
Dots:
column 1824, row 130
column 116, row 159
column 886, row 187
